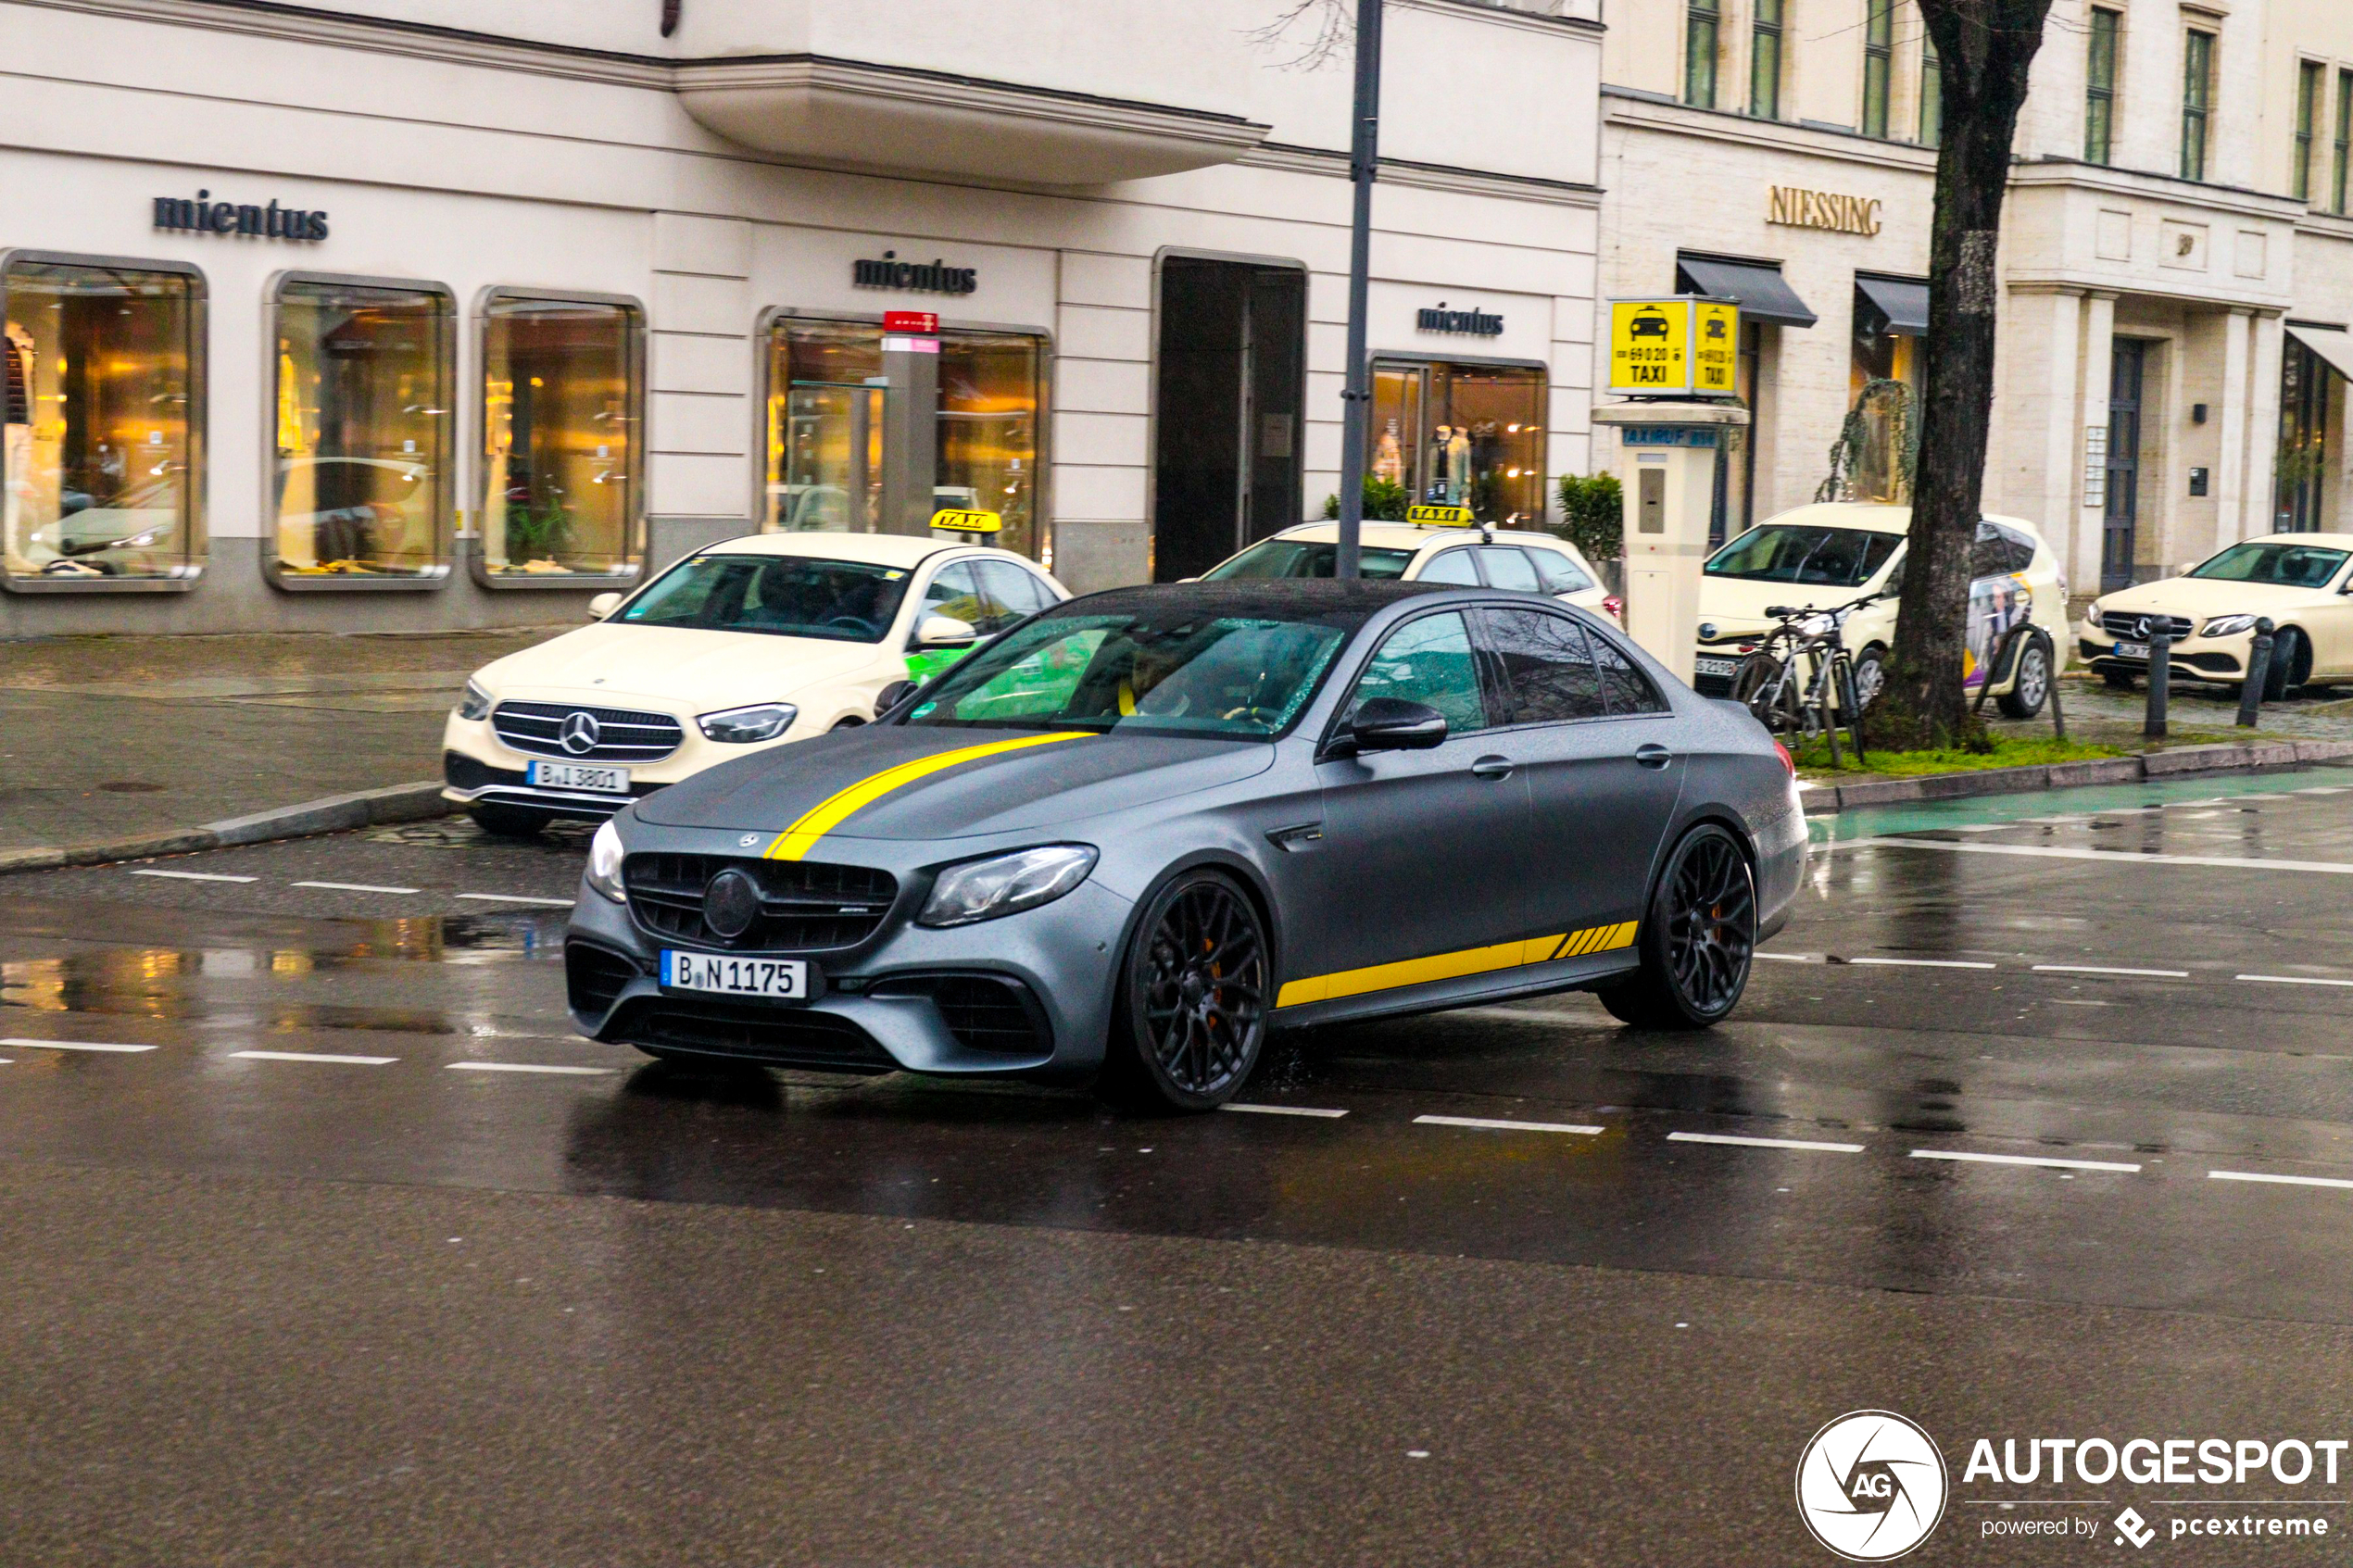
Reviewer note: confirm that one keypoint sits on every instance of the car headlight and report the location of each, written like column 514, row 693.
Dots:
column 742, row 726
column 476, row 704
column 1004, row 885
column 604, row 863
column 2228, row 625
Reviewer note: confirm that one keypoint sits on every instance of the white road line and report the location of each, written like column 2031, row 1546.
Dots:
column 195, row 876
column 2108, row 857
column 1495, row 1124
column 517, row 898
column 2022, row 1160
column 71, row 1044
column 1925, row 963
column 1766, row 1143
column 2325, row 789
column 351, row 887
column 1791, row 958
column 2103, row 969
column 1284, row 1110
column 542, row 1067
column 2291, row 980
column 318, row 1056
column 2282, row 1181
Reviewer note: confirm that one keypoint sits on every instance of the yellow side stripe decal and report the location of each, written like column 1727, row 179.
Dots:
column 1454, row 966
column 831, row 813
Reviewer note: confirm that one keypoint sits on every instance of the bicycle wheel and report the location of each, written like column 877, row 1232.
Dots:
column 1850, row 704
column 1766, row 688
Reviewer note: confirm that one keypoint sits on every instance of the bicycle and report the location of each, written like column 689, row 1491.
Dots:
column 1800, row 680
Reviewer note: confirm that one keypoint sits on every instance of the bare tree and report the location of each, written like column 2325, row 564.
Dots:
column 1333, row 34
column 1986, row 48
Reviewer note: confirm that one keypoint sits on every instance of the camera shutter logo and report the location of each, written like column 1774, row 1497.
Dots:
column 580, row 733
column 1871, row 1485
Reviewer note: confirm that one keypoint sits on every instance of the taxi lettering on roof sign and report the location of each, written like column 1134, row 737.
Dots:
column 1675, row 346
column 957, row 522
column 1440, row 516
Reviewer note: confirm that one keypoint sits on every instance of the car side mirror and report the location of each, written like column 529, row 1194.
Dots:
column 1387, row 723
column 891, row 696
column 603, row 604
column 945, row 632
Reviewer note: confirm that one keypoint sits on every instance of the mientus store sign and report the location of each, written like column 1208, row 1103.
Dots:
column 205, row 216
column 936, row 276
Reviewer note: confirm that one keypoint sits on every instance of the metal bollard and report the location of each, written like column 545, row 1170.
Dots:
column 2160, row 678
column 2259, row 670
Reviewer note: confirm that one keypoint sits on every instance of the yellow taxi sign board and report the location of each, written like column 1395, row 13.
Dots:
column 1678, row 345
column 956, row 522
column 1440, row 516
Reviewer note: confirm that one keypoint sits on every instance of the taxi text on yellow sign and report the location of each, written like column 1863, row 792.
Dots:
column 957, row 522
column 1440, row 516
column 1678, row 345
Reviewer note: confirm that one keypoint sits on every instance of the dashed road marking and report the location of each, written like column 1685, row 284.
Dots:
column 2291, row 980
column 549, row 1067
column 1497, row 1125
column 72, row 1044
column 193, row 876
column 1766, row 1143
column 2106, row 856
column 318, row 1056
column 1791, row 958
column 517, row 898
column 2049, row 1160
column 2278, row 1180
column 1925, row 963
column 351, row 887
column 1327, row 1115
column 2106, row 969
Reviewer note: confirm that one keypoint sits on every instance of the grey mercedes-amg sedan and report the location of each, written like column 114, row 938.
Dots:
column 1141, row 830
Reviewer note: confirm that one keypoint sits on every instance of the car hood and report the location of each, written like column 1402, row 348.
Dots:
column 924, row 782
column 2203, row 596
column 672, row 668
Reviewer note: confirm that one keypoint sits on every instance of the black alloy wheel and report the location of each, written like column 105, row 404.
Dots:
column 2291, row 664
column 2030, row 684
column 1699, row 941
column 1194, row 995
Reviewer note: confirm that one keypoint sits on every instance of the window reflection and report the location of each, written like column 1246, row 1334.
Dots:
column 988, row 430
column 362, row 431
column 98, row 458
column 1462, row 435
column 560, row 461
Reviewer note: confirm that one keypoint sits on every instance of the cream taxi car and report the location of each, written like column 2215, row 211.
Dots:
column 1495, row 557
column 2299, row 581
column 1832, row 554
column 744, row 645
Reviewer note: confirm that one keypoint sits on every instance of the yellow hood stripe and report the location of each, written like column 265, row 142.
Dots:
column 831, row 813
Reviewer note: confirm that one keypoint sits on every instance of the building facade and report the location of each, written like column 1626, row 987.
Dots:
column 2176, row 255
column 404, row 314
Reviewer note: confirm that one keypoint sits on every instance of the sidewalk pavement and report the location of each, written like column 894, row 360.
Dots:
column 109, row 741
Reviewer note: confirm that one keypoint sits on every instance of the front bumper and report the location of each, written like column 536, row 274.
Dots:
column 2211, row 658
column 478, row 767
column 1027, row 995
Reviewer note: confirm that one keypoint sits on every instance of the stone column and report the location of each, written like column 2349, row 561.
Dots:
column 2262, row 431
column 2231, row 477
column 700, row 365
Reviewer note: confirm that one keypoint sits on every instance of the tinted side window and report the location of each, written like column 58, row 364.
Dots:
column 958, row 590
column 1989, row 557
column 1017, row 590
column 1548, row 669
column 1429, row 662
column 1560, row 573
column 1507, row 567
column 2019, row 549
column 1450, row 566
column 1629, row 691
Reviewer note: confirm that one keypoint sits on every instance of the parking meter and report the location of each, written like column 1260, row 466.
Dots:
column 1666, row 462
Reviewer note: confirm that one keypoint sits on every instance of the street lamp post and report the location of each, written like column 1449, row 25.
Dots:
column 1363, row 165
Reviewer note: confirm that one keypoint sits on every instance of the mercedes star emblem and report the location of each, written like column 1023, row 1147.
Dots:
column 2144, row 625
column 730, row 903
column 580, row 733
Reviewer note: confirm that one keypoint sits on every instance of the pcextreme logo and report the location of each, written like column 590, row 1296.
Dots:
column 1871, row 1486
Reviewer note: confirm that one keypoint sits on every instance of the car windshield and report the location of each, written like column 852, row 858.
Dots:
column 1305, row 557
column 2281, row 564
column 849, row 601
column 1780, row 552
column 1179, row 669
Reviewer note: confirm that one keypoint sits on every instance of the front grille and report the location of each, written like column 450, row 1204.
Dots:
column 2213, row 663
column 624, row 734
column 804, row 906
column 984, row 1013
column 783, row 1036
column 594, row 977
column 2127, row 623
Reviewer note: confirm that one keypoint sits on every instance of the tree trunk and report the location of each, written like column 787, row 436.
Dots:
column 1986, row 48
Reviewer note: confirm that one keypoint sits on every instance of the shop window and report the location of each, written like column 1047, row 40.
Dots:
column 2311, row 87
column 826, row 406
column 2099, row 87
column 1703, row 26
column 1764, row 61
column 1884, row 388
column 1932, row 94
column 103, row 424
column 1462, row 435
column 1879, row 64
column 2197, row 101
column 2311, row 401
column 363, row 448
column 563, row 394
column 2340, row 173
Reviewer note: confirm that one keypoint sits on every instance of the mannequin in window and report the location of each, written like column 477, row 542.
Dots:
column 1389, row 458
column 1455, row 445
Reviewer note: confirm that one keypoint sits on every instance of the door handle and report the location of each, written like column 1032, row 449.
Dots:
column 1653, row 754
column 1492, row 768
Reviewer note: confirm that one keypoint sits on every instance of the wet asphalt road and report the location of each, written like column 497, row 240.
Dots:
column 393, row 1294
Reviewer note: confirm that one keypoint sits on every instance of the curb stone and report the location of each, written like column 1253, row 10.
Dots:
column 333, row 813
column 2181, row 762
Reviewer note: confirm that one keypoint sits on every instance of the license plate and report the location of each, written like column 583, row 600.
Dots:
column 2131, row 650
column 571, row 775
column 777, row 979
column 1716, row 666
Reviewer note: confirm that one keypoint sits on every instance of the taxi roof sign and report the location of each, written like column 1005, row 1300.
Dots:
column 1675, row 345
column 956, row 521
column 1440, row 516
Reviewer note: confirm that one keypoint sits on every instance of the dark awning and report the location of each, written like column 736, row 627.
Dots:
column 1890, row 307
column 1764, row 296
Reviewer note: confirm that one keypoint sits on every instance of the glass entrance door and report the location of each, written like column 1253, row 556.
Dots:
column 1462, row 435
column 832, row 476
column 2127, row 368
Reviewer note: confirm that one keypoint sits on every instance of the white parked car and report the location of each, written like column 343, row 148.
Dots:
column 748, row 643
column 1830, row 555
column 2301, row 581
column 1498, row 557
